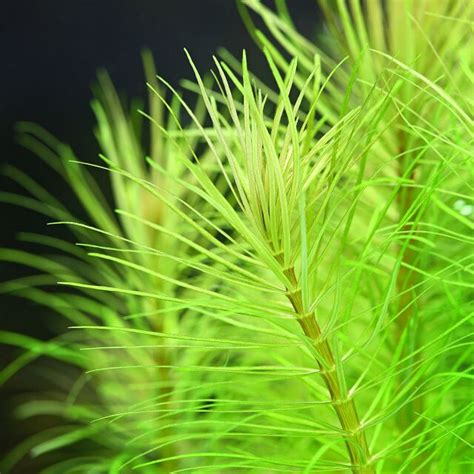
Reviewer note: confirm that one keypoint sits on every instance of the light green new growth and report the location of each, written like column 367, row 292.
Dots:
column 284, row 283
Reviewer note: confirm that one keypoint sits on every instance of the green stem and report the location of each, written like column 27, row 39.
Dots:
column 406, row 282
column 356, row 442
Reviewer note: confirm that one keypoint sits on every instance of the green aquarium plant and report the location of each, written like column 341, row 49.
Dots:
column 283, row 280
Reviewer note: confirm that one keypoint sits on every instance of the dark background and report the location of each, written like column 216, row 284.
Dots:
column 50, row 51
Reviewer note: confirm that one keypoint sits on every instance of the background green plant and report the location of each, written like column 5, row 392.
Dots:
column 284, row 280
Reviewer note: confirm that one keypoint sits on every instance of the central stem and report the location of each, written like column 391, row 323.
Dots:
column 406, row 284
column 344, row 406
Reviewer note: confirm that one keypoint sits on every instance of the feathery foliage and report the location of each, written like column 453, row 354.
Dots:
column 284, row 280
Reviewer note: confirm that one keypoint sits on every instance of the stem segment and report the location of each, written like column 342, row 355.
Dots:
column 344, row 406
column 406, row 284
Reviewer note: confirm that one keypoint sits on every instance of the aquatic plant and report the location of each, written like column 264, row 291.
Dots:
column 283, row 282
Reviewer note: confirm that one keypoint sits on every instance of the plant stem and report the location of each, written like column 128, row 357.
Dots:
column 163, row 361
column 406, row 276
column 406, row 282
column 344, row 406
